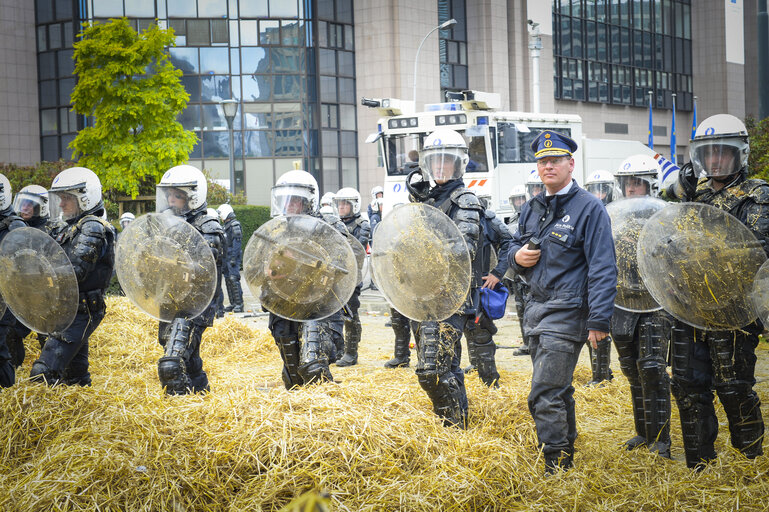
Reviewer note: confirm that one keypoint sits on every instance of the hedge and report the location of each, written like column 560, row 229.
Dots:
column 250, row 218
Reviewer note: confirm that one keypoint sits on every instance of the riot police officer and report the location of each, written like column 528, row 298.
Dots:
column 375, row 207
column 724, row 360
column 31, row 204
column 480, row 329
column 233, row 257
column 518, row 288
column 347, row 202
column 126, row 219
column 182, row 192
column 602, row 185
column 442, row 163
column 642, row 339
column 8, row 221
column 305, row 362
column 89, row 242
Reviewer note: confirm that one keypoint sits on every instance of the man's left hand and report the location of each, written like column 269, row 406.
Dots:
column 490, row 281
column 595, row 336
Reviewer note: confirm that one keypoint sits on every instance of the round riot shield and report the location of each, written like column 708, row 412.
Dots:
column 2, row 306
column 628, row 216
column 37, row 281
column 760, row 294
column 699, row 262
column 421, row 262
column 165, row 267
column 300, row 267
column 358, row 251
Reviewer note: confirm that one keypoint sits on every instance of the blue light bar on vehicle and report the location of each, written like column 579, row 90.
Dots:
column 440, row 107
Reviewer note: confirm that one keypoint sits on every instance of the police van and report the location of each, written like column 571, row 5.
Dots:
column 498, row 143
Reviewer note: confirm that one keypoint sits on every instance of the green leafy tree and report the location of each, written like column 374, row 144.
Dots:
column 758, row 159
column 129, row 87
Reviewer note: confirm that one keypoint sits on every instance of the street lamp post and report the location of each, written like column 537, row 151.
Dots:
column 445, row 24
column 230, row 108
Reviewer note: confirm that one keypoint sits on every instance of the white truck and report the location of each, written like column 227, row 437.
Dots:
column 498, row 142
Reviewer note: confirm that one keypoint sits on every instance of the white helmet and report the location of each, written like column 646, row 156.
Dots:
column 347, row 195
column 636, row 169
column 212, row 213
column 443, row 146
column 293, row 186
column 182, row 189
column 5, row 193
column 376, row 190
column 126, row 219
column 720, row 147
column 534, row 184
column 79, row 183
column 224, row 211
column 518, row 197
column 327, row 199
column 602, row 185
column 31, row 201
column 327, row 209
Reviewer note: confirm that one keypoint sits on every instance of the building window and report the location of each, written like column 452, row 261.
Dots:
column 453, row 46
column 609, row 51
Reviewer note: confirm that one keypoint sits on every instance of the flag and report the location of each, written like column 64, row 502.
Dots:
column 694, row 119
column 673, row 134
column 667, row 167
column 651, row 128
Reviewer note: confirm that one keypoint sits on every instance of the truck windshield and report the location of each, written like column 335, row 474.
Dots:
column 403, row 150
column 515, row 145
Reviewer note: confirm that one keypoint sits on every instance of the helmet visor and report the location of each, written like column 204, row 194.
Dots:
column 533, row 189
column 170, row 198
column 291, row 200
column 517, row 202
column 346, row 206
column 635, row 186
column 443, row 164
column 28, row 206
column 64, row 206
column 722, row 157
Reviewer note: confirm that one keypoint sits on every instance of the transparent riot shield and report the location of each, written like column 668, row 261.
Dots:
column 165, row 267
column 37, row 281
column 628, row 217
column 2, row 307
column 421, row 262
column 760, row 293
column 300, row 267
column 358, row 251
column 699, row 262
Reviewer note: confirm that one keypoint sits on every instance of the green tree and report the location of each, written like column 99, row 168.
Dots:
column 758, row 159
column 129, row 87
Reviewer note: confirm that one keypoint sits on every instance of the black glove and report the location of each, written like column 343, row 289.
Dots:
column 688, row 180
column 418, row 189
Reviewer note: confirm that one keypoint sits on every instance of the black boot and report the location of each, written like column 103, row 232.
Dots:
column 236, row 297
column 402, row 339
column 743, row 410
column 472, row 356
column 656, row 393
column 15, row 345
column 563, row 461
column 637, row 397
column 600, row 360
column 289, row 352
column 523, row 350
column 352, row 333
column 230, row 294
column 313, row 365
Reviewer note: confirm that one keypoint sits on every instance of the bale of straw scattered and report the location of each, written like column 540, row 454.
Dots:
column 370, row 441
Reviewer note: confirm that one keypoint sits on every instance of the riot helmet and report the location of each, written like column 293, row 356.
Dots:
column 375, row 193
column 719, row 149
column 601, row 184
column 5, row 193
column 295, row 192
column 126, row 219
column 534, row 184
column 327, row 199
column 347, row 202
column 31, row 202
column 518, row 198
column 485, row 200
column 212, row 213
column 224, row 211
column 443, row 156
column 638, row 176
column 182, row 189
column 74, row 192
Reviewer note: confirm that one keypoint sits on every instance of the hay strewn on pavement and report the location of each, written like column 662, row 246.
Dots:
column 371, row 441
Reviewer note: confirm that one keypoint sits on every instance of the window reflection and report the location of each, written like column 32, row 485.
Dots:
column 255, row 60
column 214, row 61
column 256, row 144
column 288, row 143
column 256, row 88
column 215, row 88
column 185, row 59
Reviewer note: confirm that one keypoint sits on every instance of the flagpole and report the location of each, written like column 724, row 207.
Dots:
column 651, row 127
column 673, row 134
column 694, row 119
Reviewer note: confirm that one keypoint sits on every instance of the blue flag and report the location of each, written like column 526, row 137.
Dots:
column 673, row 134
column 694, row 118
column 666, row 166
column 651, row 128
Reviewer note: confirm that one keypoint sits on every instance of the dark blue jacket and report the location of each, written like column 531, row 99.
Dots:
column 496, row 235
column 573, row 285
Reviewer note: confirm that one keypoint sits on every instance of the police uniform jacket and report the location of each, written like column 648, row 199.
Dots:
column 573, row 285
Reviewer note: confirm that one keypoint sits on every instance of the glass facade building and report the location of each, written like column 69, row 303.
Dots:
column 616, row 51
column 289, row 63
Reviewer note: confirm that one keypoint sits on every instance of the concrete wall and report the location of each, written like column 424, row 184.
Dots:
column 19, row 119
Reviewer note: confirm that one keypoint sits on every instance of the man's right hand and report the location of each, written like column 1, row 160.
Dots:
column 527, row 257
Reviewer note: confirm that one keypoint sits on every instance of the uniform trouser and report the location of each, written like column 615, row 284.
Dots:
column 551, row 400
column 643, row 360
column 219, row 300
column 352, row 326
column 304, row 362
column 439, row 351
column 231, row 280
column 64, row 357
column 726, row 361
column 7, row 368
column 481, row 348
column 180, row 370
column 286, row 335
column 402, row 330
